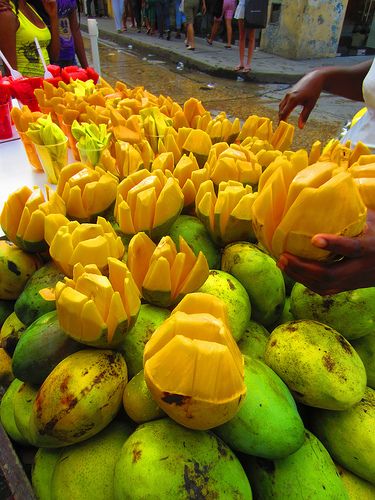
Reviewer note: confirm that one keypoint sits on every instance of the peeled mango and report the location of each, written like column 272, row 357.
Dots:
column 87, row 192
column 85, row 244
column 184, row 464
column 349, row 435
column 318, row 364
column 351, row 313
column 260, row 276
column 329, row 201
column 308, row 473
column 95, row 309
column 23, row 215
column 227, row 215
column 148, row 202
column 80, row 397
column 163, row 274
column 267, row 424
column 194, row 369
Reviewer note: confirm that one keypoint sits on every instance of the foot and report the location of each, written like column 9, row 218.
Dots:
column 189, row 47
column 168, row 34
column 228, row 46
column 246, row 69
column 178, row 35
column 238, row 68
column 123, row 29
column 209, row 41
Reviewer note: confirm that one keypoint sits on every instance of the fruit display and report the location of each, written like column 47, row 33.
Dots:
column 150, row 347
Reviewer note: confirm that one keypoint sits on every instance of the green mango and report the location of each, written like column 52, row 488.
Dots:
column 43, row 466
column 357, row 488
column 267, row 424
column 254, row 340
column 11, row 332
column 138, row 402
column 30, row 303
column 7, row 412
column 308, row 474
column 41, row 347
column 349, row 435
column 260, row 276
column 163, row 460
column 232, row 292
column 196, row 235
column 149, row 318
column 318, row 364
column 23, row 406
column 365, row 347
column 351, row 313
column 85, row 470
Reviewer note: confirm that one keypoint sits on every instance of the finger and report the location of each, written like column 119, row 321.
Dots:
column 348, row 247
column 304, row 115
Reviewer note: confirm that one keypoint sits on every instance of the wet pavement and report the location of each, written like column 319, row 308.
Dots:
column 159, row 73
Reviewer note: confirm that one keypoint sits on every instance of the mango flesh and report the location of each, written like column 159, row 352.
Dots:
column 349, row 435
column 318, row 364
column 184, row 464
column 267, row 424
column 253, row 342
column 309, row 473
column 149, row 318
column 229, row 290
column 365, row 347
column 95, row 461
column 260, row 276
column 351, row 313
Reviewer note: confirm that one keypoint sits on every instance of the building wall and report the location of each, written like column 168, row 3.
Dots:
column 305, row 29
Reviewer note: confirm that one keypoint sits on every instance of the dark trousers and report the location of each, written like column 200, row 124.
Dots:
column 162, row 16
column 96, row 6
column 137, row 11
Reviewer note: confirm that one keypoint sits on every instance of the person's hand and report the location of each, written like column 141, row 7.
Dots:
column 304, row 93
column 50, row 6
column 355, row 270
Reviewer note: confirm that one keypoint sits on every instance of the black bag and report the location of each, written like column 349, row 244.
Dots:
column 256, row 13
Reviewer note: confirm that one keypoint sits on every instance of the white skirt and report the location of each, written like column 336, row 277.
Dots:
column 240, row 11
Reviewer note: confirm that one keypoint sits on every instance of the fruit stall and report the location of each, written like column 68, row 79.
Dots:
column 150, row 346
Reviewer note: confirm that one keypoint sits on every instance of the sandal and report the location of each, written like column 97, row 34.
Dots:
column 189, row 47
column 238, row 68
column 245, row 69
column 208, row 41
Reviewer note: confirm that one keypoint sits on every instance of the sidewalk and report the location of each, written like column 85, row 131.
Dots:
column 216, row 59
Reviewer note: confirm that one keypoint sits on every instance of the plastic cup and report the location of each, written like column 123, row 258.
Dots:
column 53, row 158
column 72, row 143
column 5, row 122
column 31, row 153
column 90, row 157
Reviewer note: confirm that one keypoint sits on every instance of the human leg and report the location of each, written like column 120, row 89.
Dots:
column 214, row 30
column 250, row 49
column 118, row 9
column 241, row 42
column 228, row 25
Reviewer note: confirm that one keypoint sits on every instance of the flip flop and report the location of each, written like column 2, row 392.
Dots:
column 238, row 68
column 190, row 48
column 245, row 69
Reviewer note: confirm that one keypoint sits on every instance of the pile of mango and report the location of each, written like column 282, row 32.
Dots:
column 150, row 347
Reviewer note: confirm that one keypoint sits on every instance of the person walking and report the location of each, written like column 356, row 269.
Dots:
column 162, row 18
column 150, row 16
column 180, row 18
column 191, row 8
column 118, row 11
column 228, row 8
column 128, row 13
column 243, row 32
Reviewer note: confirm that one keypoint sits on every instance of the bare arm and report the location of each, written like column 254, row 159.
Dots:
column 54, row 46
column 77, row 37
column 341, row 81
column 8, row 29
